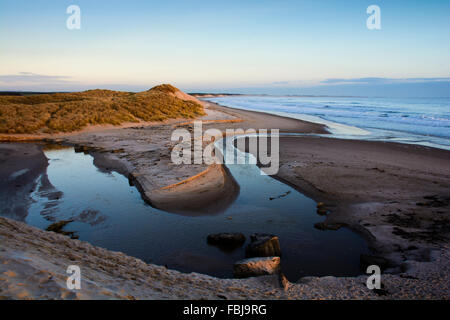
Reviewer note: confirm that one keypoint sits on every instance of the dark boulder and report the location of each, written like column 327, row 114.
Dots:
column 263, row 245
column 328, row 226
column 226, row 241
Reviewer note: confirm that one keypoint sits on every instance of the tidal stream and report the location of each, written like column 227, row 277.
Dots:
column 108, row 212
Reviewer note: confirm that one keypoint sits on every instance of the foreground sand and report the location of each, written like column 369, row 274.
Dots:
column 377, row 189
column 33, row 265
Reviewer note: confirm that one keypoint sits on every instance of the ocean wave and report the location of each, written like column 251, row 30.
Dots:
column 418, row 117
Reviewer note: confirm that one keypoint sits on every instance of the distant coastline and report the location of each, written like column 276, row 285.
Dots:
column 421, row 121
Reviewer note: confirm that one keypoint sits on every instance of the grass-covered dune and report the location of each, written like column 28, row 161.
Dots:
column 67, row 112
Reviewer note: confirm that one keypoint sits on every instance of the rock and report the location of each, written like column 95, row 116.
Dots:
column 334, row 226
column 81, row 149
column 321, row 209
column 58, row 227
column 263, row 245
column 328, row 226
column 320, row 226
column 226, row 241
column 366, row 260
column 254, row 267
column 284, row 282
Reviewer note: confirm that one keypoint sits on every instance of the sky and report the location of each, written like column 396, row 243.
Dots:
column 246, row 46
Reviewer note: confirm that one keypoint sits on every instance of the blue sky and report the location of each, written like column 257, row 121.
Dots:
column 258, row 46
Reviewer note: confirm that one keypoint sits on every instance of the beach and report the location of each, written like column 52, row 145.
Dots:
column 380, row 189
column 395, row 196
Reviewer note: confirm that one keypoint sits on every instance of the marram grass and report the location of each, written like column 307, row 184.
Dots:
column 67, row 112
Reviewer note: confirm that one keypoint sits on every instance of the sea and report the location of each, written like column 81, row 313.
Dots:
column 423, row 121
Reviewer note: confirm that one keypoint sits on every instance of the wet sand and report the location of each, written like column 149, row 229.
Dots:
column 20, row 166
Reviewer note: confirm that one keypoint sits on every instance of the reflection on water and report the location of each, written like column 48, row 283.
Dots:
column 107, row 212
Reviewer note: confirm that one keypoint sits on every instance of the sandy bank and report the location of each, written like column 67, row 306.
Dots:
column 20, row 166
column 33, row 265
column 209, row 192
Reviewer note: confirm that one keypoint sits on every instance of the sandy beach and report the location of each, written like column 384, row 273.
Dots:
column 396, row 196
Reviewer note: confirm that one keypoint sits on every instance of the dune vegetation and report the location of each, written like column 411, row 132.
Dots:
column 68, row 112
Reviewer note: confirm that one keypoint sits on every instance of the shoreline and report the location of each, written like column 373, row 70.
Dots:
column 134, row 152
column 344, row 131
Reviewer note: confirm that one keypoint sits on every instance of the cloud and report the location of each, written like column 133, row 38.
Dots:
column 32, row 78
column 375, row 80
